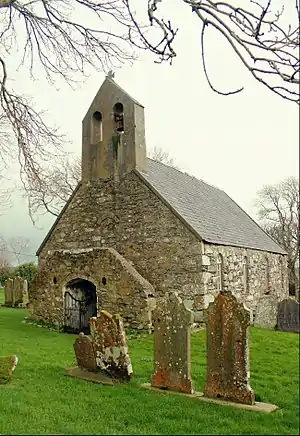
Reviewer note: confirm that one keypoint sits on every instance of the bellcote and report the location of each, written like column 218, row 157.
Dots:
column 113, row 134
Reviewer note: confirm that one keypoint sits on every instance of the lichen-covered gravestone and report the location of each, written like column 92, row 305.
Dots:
column 172, row 323
column 25, row 298
column 7, row 366
column 228, row 371
column 85, row 353
column 8, row 292
column 110, row 345
column 266, row 312
column 18, row 290
column 288, row 316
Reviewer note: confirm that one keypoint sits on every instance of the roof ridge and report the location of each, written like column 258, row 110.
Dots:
column 183, row 172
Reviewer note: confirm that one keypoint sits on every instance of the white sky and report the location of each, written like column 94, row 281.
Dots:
column 237, row 143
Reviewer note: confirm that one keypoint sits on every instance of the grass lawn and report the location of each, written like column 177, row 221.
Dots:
column 41, row 400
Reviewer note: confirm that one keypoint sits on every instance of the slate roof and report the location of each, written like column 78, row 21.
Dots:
column 208, row 210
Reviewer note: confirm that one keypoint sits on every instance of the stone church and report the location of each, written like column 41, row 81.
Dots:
column 135, row 228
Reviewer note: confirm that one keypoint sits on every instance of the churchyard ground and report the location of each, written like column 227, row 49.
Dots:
column 41, row 400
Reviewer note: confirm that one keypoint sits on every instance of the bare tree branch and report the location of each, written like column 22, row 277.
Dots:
column 56, row 36
column 67, row 37
column 278, row 210
column 4, row 260
column 51, row 190
column 265, row 45
column 17, row 247
column 162, row 156
column 5, row 194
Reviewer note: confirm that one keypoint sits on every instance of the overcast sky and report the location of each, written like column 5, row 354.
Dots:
column 238, row 143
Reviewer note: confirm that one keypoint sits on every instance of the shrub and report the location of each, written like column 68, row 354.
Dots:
column 27, row 271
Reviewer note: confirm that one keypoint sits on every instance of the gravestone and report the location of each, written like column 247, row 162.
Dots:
column 7, row 366
column 18, row 290
column 228, row 372
column 266, row 312
column 288, row 316
column 8, row 292
column 85, row 353
column 110, row 345
column 172, row 321
column 25, row 292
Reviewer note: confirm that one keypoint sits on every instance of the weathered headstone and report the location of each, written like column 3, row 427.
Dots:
column 110, row 344
column 172, row 321
column 25, row 292
column 8, row 292
column 228, row 371
column 266, row 312
column 18, row 290
column 85, row 352
column 7, row 366
column 288, row 316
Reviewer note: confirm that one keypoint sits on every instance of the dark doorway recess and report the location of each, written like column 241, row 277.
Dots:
column 80, row 304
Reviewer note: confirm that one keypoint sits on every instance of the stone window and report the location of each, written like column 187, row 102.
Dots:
column 245, row 274
column 118, row 112
column 96, row 127
column 220, row 272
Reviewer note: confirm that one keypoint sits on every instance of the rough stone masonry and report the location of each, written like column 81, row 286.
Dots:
column 169, row 231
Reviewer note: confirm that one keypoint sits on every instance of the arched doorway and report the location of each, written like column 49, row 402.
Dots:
column 80, row 304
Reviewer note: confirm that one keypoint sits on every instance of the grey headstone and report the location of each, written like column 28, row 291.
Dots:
column 288, row 316
column 18, row 290
column 266, row 312
column 172, row 321
column 8, row 292
column 25, row 292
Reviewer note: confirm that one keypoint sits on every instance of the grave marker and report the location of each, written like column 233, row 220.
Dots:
column 266, row 312
column 172, row 323
column 288, row 316
column 25, row 292
column 85, row 353
column 7, row 366
column 8, row 292
column 228, row 371
column 110, row 345
column 18, row 290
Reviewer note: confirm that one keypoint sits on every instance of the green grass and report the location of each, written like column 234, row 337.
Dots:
column 41, row 400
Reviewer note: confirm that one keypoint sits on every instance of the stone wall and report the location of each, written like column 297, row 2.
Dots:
column 130, row 218
column 266, row 273
column 119, row 287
